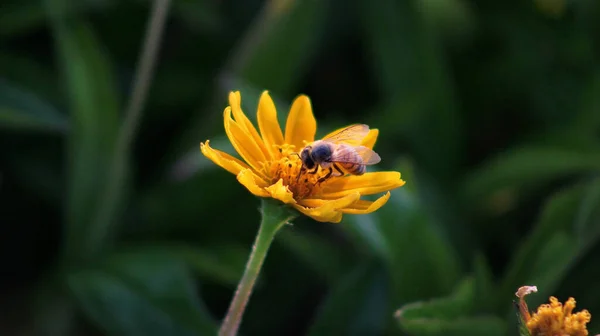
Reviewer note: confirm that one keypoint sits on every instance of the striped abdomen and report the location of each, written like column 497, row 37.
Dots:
column 349, row 160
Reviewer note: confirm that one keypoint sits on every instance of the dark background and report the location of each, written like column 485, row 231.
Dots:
column 490, row 109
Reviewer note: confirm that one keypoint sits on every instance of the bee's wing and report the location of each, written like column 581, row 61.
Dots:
column 368, row 155
column 352, row 135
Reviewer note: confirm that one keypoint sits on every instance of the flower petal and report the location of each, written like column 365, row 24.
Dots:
column 371, row 138
column 362, row 207
column 281, row 192
column 235, row 101
column 328, row 211
column 224, row 160
column 253, row 183
column 367, row 184
column 268, row 123
column 301, row 124
column 243, row 143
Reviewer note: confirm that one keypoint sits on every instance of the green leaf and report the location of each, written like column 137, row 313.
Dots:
column 94, row 114
column 135, row 293
column 21, row 17
column 415, row 82
column 526, row 167
column 22, row 110
column 473, row 326
column 223, row 264
column 589, row 119
column 484, row 284
column 277, row 48
column 357, row 305
column 200, row 16
column 555, row 244
column 587, row 228
column 24, row 71
column 449, row 18
column 402, row 233
column 449, row 315
column 324, row 258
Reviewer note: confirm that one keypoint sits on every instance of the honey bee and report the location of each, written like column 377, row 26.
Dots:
column 340, row 152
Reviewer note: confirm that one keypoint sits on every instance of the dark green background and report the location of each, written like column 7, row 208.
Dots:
column 490, row 109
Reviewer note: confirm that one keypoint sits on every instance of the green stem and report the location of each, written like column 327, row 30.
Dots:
column 274, row 216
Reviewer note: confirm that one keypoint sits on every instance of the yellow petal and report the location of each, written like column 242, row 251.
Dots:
column 226, row 161
column 253, row 183
column 371, row 138
column 235, row 101
column 243, row 143
column 268, row 123
column 328, row 211
column 281, row 192
column 301, row 124
column 367, row 184
column 362, row 207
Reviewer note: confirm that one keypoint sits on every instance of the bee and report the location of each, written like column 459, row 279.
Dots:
column 340, row 153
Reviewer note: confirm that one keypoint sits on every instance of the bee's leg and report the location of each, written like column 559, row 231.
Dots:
column 338, row 171
column 329, row 172
column 315, row 170
column 300, row 174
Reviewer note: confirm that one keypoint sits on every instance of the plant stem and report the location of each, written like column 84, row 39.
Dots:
column 274, row 216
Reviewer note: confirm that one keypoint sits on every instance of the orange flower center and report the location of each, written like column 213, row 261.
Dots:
column 288, row 168
column 554, row 319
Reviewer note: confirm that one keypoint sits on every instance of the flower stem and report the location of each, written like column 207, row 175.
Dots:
column 274, row 216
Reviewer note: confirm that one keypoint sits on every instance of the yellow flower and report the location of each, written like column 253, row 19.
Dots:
column 271, row 164
column 553, row 319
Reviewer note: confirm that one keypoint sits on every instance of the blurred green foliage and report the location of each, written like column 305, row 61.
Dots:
column 491, row 110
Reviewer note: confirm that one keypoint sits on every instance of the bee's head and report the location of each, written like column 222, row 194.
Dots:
column 306, row 158
column 321, row 153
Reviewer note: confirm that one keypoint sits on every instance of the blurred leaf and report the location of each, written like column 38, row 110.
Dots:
column 472, row 326
column 275, row 52
column 526, row 166
column 141, row 294
column 20, row 16
column 23, row 70
column 484, row 284
column 418, row 94
column 357, row 305
column 53, row 312
column 449, row 315
column 322, row 256
column 589, row 118
column 420, row 258
column 460, row 303
column 38, row 171
column 24, row 16
column 94, row 114
column 587, row 228
column 223, row 264
column 202, row 16
column 450, row 18
column 22, row 110
column 553, row 247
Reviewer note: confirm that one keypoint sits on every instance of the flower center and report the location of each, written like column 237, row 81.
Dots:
column 288, row 168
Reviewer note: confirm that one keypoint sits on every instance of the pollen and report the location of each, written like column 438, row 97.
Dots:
column 288, row 168
column 554, row 318
column 557, row 319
